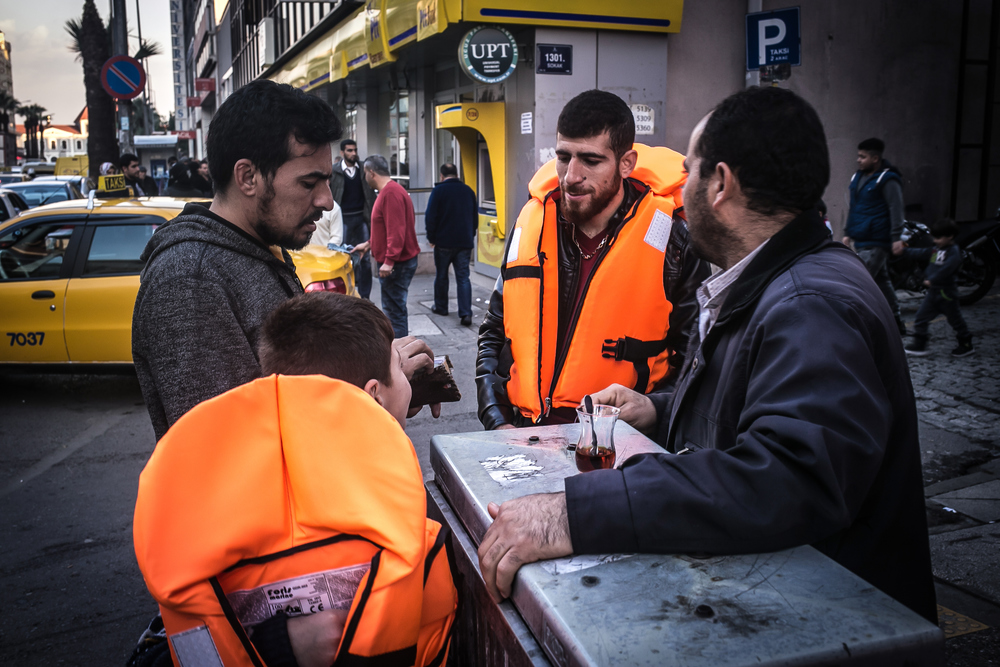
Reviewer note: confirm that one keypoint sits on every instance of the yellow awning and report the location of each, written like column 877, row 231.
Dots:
column 642, row 15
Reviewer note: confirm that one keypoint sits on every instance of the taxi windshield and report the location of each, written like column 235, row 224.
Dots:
column 36, row 194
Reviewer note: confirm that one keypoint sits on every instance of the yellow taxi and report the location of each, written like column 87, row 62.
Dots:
column 69, row 274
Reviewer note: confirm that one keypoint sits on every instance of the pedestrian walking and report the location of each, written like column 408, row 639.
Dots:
column 599, row 282
column 356, row 198
column 450, row 221
column 774, row 442
column 394, row 240
column 942, row 292
column 875, row 217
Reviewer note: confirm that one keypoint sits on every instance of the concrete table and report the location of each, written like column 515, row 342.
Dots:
column 794, row 607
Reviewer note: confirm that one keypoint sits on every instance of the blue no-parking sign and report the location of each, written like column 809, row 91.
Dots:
column 773, row 38
column 123, row 77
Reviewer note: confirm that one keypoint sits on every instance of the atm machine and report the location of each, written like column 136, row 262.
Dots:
column 482, row 138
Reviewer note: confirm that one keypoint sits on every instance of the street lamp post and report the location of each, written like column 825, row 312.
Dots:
column 44, row 123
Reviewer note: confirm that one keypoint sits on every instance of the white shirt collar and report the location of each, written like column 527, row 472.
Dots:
column 348, row 170
column 713, row 292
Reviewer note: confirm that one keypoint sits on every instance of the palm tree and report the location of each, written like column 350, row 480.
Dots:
column 33, row 114
column 90, row 40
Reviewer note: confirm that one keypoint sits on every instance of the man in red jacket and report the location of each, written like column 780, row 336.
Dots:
column 393, row 241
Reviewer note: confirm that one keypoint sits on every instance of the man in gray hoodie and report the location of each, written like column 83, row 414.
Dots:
column 214, row 272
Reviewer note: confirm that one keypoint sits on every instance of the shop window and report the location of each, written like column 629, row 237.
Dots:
column 394, row 122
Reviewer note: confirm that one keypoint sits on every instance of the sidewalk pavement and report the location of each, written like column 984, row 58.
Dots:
column 958, row 402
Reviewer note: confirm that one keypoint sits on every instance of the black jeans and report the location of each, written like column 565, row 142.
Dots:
column 459, row 258
column 355, row 232
column 936, row 302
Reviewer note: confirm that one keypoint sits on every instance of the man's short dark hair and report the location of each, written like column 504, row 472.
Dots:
column 591, row 113
column 171, row 160
column 773, row 141
column 126, row 159
column 257, row 122
column 448, row 169
column 325, row 333
column 873, row 145
column 348, row 142
column 944, row 227
column 377, row 164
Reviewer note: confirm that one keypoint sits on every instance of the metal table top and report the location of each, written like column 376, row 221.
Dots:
column 794, row 607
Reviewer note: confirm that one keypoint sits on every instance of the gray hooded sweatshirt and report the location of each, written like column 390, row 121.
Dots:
column 205, row 292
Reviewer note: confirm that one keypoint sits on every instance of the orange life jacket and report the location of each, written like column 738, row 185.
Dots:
column 618, row 334
column 297, row 494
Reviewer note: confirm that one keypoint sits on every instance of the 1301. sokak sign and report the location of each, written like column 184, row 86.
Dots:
column 488, row 54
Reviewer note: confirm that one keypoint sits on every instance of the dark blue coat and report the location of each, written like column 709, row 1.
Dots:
column 452, row 215
column 868, row 222
column 798, row 425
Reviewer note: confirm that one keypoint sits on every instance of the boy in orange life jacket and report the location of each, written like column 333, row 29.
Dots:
column 276, row 472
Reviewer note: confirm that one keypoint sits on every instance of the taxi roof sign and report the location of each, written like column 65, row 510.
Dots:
column 112, row 186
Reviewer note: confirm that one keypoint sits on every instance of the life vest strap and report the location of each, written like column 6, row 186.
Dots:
column 638, row 352
column 234, row 621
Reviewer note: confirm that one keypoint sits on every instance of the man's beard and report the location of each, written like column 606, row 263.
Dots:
column 598, row 202
column 351, row 160
column 710, row 238
column 271, row 234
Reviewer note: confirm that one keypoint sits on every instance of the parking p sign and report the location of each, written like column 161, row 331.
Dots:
column 773, row 38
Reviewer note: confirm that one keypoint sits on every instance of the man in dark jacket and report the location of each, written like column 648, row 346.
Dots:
column 148, row 183
column 450, row 222
column 356, row 199
column 606, row 222
column 875, row 218
column 129, row 165
column 793, row 421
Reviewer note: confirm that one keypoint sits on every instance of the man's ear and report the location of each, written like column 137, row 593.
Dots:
column 724, row 185
column 245, row 177
column 374, row 389
column 626, row 165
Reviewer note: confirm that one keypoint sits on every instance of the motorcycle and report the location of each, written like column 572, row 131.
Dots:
column 980, row 244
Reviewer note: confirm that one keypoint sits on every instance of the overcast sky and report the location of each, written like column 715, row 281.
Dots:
column 47, row 73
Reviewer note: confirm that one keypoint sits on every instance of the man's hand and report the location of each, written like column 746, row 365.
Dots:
column 525, row 530
column 362, row 248
column 846, row 241
column 315, row 638
column 504, row 427
column 927, row 283
column 636, row 409
column 385, row 270
column 416, row 354
column 898, row 247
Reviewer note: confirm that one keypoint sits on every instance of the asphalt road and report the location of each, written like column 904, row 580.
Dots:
column 72, row 448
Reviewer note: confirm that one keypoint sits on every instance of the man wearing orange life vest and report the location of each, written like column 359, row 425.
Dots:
column 299, row 537
column 598, row 281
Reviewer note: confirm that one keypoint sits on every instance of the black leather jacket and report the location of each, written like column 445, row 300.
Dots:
column 683, row 272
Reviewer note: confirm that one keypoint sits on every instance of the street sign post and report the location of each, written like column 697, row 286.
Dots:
column 773, row 38
column 123, row 77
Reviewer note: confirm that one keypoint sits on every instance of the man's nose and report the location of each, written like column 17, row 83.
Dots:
column 575, row 172
column 324, row 197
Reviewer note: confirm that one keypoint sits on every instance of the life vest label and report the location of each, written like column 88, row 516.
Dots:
column 659, row 231
column 515, row 243
column 196, row 648
column 300, row 596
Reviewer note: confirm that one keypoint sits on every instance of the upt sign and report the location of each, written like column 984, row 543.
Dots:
column 773, row 38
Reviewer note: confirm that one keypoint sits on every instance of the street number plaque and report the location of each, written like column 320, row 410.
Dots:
column 554, row 59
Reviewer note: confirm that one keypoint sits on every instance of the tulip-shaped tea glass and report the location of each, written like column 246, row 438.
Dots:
column 596, row 448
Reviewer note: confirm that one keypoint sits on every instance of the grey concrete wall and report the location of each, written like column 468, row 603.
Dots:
column 707, row 63
column 553, row 91
column 885, row 68
column 634, row 67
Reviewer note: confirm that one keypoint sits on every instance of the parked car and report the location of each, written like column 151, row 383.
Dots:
column 69, row 277
column 83, row 183
column 11, row 177
column 11, row 204
column 43, row 191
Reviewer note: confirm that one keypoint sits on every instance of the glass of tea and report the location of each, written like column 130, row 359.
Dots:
column 596, row 448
